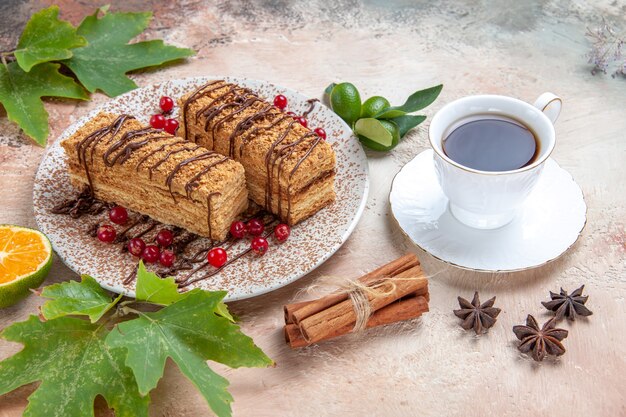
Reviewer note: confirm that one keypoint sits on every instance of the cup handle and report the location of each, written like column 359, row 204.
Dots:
column 550, row 104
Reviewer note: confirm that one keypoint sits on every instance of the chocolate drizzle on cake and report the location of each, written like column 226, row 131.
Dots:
column 84, row 203
column 241, row 99
column 120, row 151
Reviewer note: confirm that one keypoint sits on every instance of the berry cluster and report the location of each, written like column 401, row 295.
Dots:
column 152, row 253
column 218, row 257
column 280, row 101
column 158, row 121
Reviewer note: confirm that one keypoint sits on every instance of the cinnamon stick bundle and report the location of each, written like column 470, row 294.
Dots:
column 399, row 291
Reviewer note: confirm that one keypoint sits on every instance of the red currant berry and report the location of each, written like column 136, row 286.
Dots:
column 136, row 246
column 292, row 114
column 157, row 121
column 151, row 254
column 259, row 245
column 106, row 233
column 166, row 104
column 118, row 215
column 171, row 126
column 280, row 101
column 238, row 229
column 302, row 121
column 164, row 238
column 167, row 258
column 217, row 257
column 282, row 232
column 255, row 227
column 320, row 132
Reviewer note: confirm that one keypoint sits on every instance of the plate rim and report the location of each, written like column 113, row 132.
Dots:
column 228, row 298
column 481, row 270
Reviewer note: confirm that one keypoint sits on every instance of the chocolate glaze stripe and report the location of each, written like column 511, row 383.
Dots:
column 90, row 141
column 126, row 137
column 244, row 125
column 198, row 93
column 270, row 163
column 258, row 129
column 167, row 157
column 155, row 151
column 293, row 171
column 184, row 163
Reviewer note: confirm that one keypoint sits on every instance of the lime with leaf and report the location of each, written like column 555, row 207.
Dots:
column 378, row 125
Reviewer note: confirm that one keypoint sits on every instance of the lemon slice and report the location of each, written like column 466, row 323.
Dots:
column 25, row 260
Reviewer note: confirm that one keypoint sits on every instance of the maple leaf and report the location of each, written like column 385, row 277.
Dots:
column 106, row 59
column 164, row 291
column 77, row 298
column 46, row 38
column 190, row 332
column 21, row 92
column 74, row 364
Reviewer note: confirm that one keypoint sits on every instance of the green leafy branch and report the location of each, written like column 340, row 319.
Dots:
column 120, row 352
column 96, row 52
column 377, row 124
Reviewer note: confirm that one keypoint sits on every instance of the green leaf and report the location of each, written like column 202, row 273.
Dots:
column 164, row 291
column 406, row 123
column 190, row 333
column 417, row 101
column 374, row 130
column 152, row 288
column 21, row 92
column 46, row 38
column 74, row 364
column 73, row 298
column 104, row 62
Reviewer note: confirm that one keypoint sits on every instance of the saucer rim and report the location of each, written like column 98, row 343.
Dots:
column 406, row 235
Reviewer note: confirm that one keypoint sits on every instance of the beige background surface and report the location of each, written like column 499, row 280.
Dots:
column 429, row 366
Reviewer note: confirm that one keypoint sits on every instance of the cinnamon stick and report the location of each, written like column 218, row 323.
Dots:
column 296, row 312
column 405, row 309
column 321, row 325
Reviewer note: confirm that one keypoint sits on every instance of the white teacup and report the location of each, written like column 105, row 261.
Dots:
column 491, row 199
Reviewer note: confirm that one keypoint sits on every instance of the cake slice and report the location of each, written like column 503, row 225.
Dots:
column 152, row 172
column 290, row 170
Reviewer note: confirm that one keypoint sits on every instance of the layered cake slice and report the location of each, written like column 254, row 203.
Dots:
column 290, row 170
column 152, row 172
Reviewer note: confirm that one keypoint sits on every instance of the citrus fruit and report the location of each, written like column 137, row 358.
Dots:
column 374, row 105
column 346, row 102
column 25, row 259
column 392, row 128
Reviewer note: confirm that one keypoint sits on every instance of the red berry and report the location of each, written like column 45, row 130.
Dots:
column 302, row 121
column 166, row 104
column 167, row 258
column 238, row 229
column 171, row 125
column 259, row 245
column 151, row 254
column 280, row 101
column 106, row 233
column 255, row 227
column 157, row 121
column 136, row 246
column 164, row 238
column 292, row 114
column 217, row 257
column 118, row 215
column 282, row 232
column 320, row 132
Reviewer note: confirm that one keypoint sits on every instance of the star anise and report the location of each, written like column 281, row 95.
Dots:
column 476, row 315
column 568, row 305
column 542, row 342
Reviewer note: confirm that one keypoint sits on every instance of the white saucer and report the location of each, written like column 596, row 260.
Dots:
column 549, row 222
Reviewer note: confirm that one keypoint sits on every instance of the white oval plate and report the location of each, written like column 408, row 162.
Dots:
column 548, row 224
column 311, row 242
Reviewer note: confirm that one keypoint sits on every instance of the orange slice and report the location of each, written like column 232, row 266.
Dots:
column 25, row 260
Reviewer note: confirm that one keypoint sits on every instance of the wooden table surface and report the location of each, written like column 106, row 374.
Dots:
column 429, row 366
